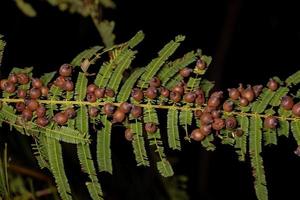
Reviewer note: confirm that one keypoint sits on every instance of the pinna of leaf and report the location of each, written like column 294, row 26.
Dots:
column 57, row 107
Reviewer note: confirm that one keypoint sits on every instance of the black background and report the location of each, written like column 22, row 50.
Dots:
column 250, row 41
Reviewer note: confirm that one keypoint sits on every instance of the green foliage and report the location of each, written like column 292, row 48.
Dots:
column 111, row 74
column 57, row 168
column 241, row 142
column 293, row 79
column 255, row 149
column 2, row 46
column 103, row 146
column 295, row 127
column 125, row 90
column 173, row 132
column 116, row 76
column 170, row 69
column 138, row 144
column 86, row 54
column 152, row 68
column 105, row 28
column 263, row 101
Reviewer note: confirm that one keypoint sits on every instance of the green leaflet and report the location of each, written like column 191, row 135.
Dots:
column 81, row 120
column 47, row 77
column 54, row 94
column 174, row 81
column 206, row 86
column 255, row 149
column 173, row 132
column 138, row 144
column 207, row 143
column 40, row 152
column 152, row 68
column 126, row 88
column 193, row 83
column 26, row 8
column 241, row 142
column 116, row 76
column 103, row 146
column 9, row 113
column 87, row 164
column 2, row 46
column 165, row 168
column 81, row 86
column 185, row 119
column 298, row 93
column 280, row 92
column 150, row 115
column 136, row 39
column 106, row 28
column 106, row 70
column 83, row 150
column 264, row 99
column 57, row 168
column 270, row 137
column 86, row 54
column 172, row 68
column 295, row 127
column 66, row 134
column 284, row 128
column 293, row 79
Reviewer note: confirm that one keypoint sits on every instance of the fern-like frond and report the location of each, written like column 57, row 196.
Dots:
column 136, row 39
column 106, row 28
column 206, row 86
column 193, row 83
column 86, row 54
column 153, row 67
column 47, row 77
column 207, row 143
column 65, row 134
column 270, row 137
column 55, row 156
column 103, row 146
column 106, row 70
column 255, row 149
column 284, row 128
column 263, row 101
column 40, row 152
column 87, row 165
column 172, row 68
column 185, row 119
column 174, row 81
column 138, row 144
column 2, row 46
column 80, row 87
column 241, row 142
column 164, row 167
column 295, row 127
column 280, row 92
column 294, row 79
column 116, row 76
column 173, row 132
column 126, row 88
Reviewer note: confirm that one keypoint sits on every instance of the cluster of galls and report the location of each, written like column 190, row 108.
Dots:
column 211, row 118
column 30, row 108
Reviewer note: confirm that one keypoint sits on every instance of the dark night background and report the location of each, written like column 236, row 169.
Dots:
column 250, row 41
